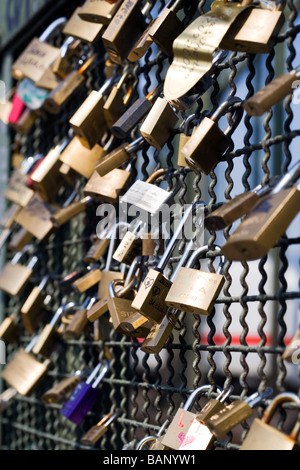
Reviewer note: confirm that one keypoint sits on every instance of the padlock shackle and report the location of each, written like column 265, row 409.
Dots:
column 288, row 179
column 135, row 145
column 29, row 162
column 108, row 84
column 257, row 397
column 62, row 309
column 276, row 402
column 196, row 393
column 51, row 29
column 198, row 254
column 225, row 108
column 103, row 370
column 224, row 395
column 44, row 281
column 66, row 46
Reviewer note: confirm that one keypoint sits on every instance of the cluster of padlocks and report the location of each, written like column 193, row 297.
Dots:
column 43, row 195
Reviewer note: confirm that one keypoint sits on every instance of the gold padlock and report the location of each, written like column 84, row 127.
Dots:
column 9, row 329
column 116, row 102
column 107, row 188
column 96, row 250
column 79, row 320
column 119, row 156
column 60, row 390
column 159, row 334
column 15, row 276
column 81, row 29
column 98, row 430
column 65, row 214
column 34, row 307
column 98, row 11
column 88, row 280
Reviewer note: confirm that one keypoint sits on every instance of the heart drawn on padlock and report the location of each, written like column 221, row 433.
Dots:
column 148, row 282
column 185, row 440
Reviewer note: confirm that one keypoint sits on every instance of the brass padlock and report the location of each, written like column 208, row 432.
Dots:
column 46, row 179
column 255, row 34
column 117, row 157
column 24, row 372
column 65, row 214
column 183, row 419
column 9, row 329
column 208, row 143
column 25, row 123
column 60, row 390
column 82, row 159
column 235, row 413
column 135, row 113
column 98, row 11
column 266, row 223
column 88, row 280
column 263, row 436
column 62, row 66
column 271, row 94
column 34, row 307
column 79, row 320
column 14, row 276
column 291, row 352
column 98, row 430
column 107, row 188
column 49, row 337
column 124, row 29
column 88, row 122
column 116, row 102
column 184, row 138
column 20, row 239
column 97, row 249
column 79, row 28
column 38, row 56
column 159, row 334
column 159, row 123
column 152, row 442
column 195, row 291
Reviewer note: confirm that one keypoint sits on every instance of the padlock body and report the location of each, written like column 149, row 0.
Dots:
column 9, row 330
column 19, row 240
column 14, row 278
column 263, row 226
column 107, row 188
column 64, row 91
column 46, row 342
column 97, row 249
column 205, row 147
column 33, row 310
column 198, row 437
column 128, row 249
column 17, row 190
column 150, row 298
column 178, row 429
column 165, row 30
column 194, row 291
column 60, row 390
column 24, row 372
column 77, row 325
column 81, row 159
column 81, row 29
column 98, row 11
column 158, row 335
column 87, row 281
column 127, row 320
column 229, row 417
column 262, row 436
column 80, row 403
column 46, row 179
column 93, row 435
column 114, row 106
column 183, row 140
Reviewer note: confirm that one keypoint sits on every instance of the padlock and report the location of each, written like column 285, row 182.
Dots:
column 107, row 275
column 9, row 328
column 79, row 320
column 118, row 156
column 25, row 123
column 199, row 437
column 38, row 55
column 88, row 280
column 49, row 337
column 159, row 123
column 184, row 138
column 96, row 250
column 108, row 188
column 24, row 372
column 98, row 430
column 256, row 33
column 235, row 413
column 135, row 113
column 97, row 11
column 62, row 66
column 82, row 159
column 195, row 291
column 208, row 143
column 151, row 245
column 35, row 306
column 183, row 419
column 266, row 222
column 116, row 102
column 63, row 388
column 46, row 179
column 20, row 239
column 14, row 276
column 65, row 214
column 85, row 395
column 150, row 298
column 82, row 29
column 272, row 93
column 88, row 122
column 8, row 223
column 124, row 29
column 68, row 87
column 263, row 436
column 291, row 352
column 153, row 442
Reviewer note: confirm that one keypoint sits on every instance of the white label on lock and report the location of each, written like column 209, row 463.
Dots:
column 198, row 437
column 145, row 196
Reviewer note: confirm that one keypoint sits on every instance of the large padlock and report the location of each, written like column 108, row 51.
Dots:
column 208, row 143
column 98, row 11
column 256, row 33
column 14, row 276
column 178, row 429
column 193, row 290
column 266, row 222
column 263, row 436
column 38, row 55
column 79, row 28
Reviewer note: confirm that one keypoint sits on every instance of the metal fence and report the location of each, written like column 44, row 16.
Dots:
column 241, row 342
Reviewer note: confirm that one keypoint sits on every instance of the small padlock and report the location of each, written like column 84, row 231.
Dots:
column 20, row 239
column 208, row 143
column 135, row 113
column 272, row 93
column 117, row 157
column 63, row 388
column 97, row 249
column 98, row 430
column 9, row 328
column 266, row 222
column 14, row 276
column 257, row 33
column 49, row 337
column 24, row 372
column 291, row 352
column 116, row 102
column 263, row 436
column 81, row 29
column 235, row 413
column 79, row 320
column 195, row 291
column 64, row 215
column 98, row 11
column 85, row 395
column 88, row 122
column 34, row 307
column 177, row 430
column 124, row 29
column 159, row 123
column 88, row 280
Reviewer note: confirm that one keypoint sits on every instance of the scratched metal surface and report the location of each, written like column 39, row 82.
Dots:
column 241, row 342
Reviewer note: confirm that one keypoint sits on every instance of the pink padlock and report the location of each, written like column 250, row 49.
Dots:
column 17, row 109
